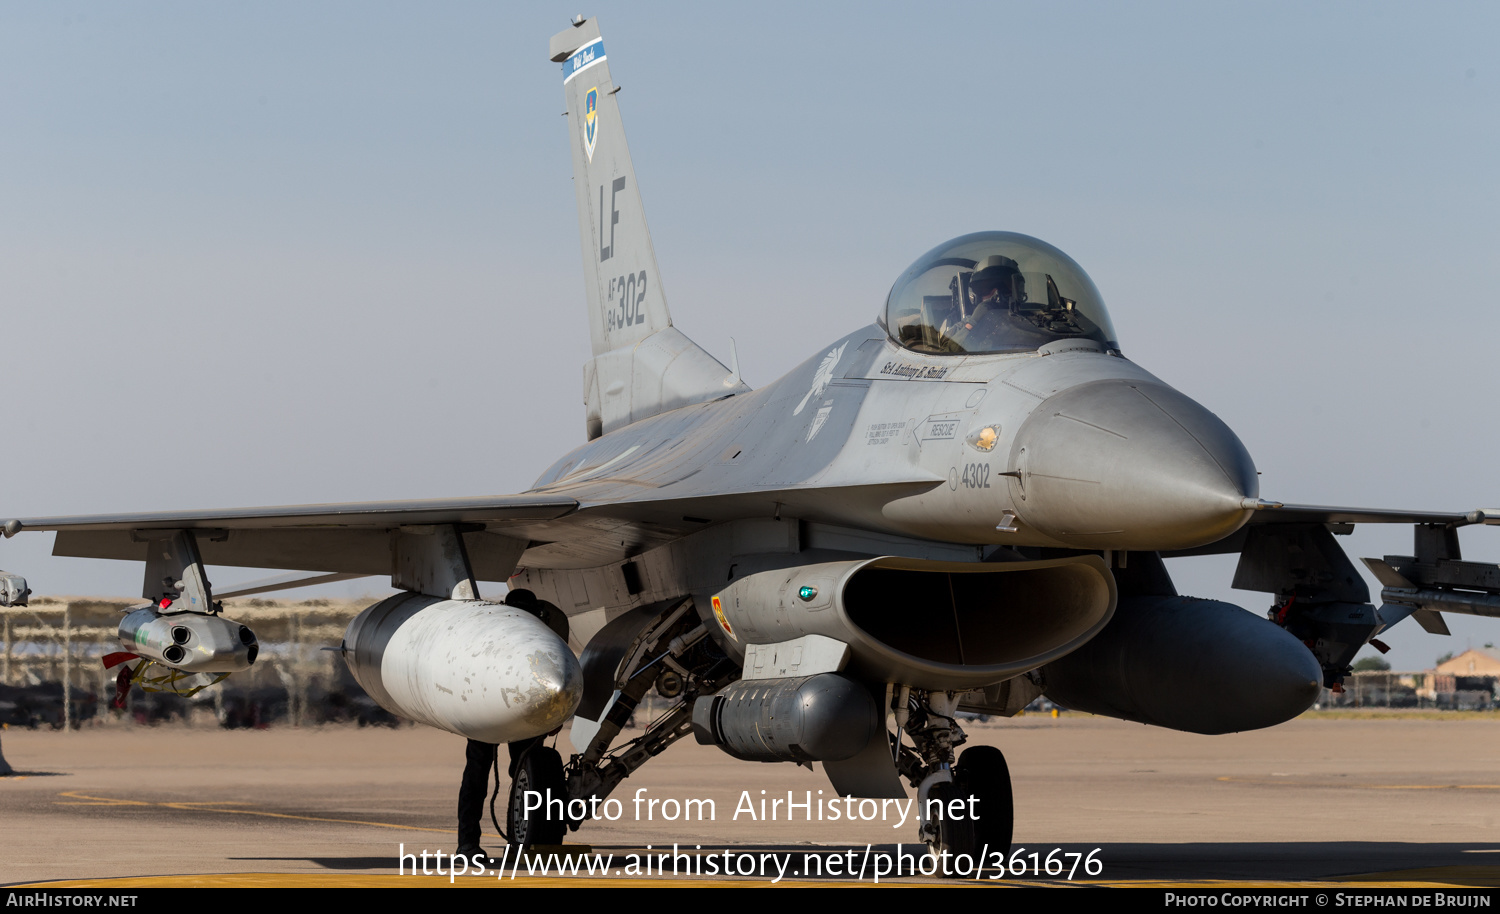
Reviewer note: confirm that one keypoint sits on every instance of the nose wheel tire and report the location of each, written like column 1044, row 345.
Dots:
column 981, row 772
column 539, row 770
column 951, row 834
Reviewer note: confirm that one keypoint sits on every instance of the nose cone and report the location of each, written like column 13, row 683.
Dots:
column 1119, row 464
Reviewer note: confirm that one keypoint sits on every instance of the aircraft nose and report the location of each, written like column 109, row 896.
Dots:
column 1119, row 464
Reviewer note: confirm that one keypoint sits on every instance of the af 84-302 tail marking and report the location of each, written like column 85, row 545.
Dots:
column 623, row 304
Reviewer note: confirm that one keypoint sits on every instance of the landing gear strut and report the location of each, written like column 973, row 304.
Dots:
column 662, row 646
column 965, row 809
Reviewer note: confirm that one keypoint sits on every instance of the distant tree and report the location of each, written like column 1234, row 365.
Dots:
column 1371, row 665
column 1445, row 658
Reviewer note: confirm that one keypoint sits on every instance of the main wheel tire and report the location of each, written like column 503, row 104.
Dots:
column 981, row 772
column 539, row 770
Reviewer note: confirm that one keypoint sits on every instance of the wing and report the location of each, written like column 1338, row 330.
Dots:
column 1278, row 513
column 351, row 539
column 590, row 526
column 1338, row 519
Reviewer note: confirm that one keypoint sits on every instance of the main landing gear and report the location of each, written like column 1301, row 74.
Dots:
column 663, row 647
column 536, row 773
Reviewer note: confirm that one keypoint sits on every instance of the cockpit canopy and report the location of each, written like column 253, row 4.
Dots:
column 995, row 292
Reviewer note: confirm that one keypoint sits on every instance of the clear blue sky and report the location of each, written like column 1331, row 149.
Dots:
column 280, row 252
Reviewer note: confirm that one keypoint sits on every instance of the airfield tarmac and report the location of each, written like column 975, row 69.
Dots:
column 1315, row 800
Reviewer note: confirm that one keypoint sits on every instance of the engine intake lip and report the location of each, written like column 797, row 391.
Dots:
column 978, row 622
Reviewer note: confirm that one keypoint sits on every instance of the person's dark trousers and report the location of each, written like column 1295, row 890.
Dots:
column 479, row 759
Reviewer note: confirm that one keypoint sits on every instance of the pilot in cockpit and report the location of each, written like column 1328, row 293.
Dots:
column 995, row 286
column 991, row 293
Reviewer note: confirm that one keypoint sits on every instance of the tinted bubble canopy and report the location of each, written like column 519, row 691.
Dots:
column 995, row 292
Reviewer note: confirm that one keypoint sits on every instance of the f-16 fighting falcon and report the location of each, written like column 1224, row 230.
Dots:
column 960, row 507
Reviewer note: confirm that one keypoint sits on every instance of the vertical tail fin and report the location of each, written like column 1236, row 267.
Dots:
column 626, row 303
column 642, row 365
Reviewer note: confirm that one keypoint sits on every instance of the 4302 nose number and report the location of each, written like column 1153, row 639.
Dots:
column 976, row 476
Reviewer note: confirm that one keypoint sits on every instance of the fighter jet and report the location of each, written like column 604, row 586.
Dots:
column 960, row 507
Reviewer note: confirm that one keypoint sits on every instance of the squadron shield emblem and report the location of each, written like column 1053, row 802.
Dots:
column 590, row 121
column 722, row 619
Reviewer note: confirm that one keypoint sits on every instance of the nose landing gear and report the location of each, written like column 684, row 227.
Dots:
column 965, row 809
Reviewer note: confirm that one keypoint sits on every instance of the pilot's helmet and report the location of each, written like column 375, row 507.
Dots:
column 997, row 272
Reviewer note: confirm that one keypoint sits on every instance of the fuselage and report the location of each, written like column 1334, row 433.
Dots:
column 1068, row 445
